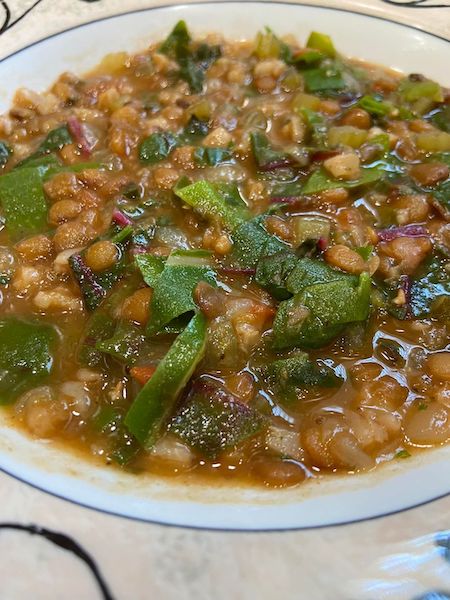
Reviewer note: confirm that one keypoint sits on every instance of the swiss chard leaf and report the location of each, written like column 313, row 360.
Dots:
column 173, row 291
column 213, row 156
column 265, row 155
column 25, row 356
column 287, row 376
column 314, row 316
column 273, row 271
column 427, row 289
column 213, row 420
column 207, row 200
column 321, row 181
column 251, row 242
column 324, row 79
column 23, row 201
column 124, row 345
column 157, row 147
column 151, row 267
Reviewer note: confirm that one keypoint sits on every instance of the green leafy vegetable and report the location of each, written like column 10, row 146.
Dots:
column 25, row 356
column 264, row 154
column 157, row 147
column 320, row 180
column 193, row 62
column 155, row 402
column 124, row 345
column 272, row 273
column 426, row 290
column 252, row 242
column 207, row 200
column 318, row 313
column 102, row 323
column 56, row 140
column 213, row 156
column 151, row 267
column 177, row 42
column 172, row 292
column 212, row 420
column 23, row 201
column 441, row 118
column 324, row 79
column 289, row 375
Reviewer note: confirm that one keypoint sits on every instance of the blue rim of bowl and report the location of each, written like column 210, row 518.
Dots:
column 200, row 527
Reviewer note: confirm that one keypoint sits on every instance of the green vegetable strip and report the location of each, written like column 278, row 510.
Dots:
column 23, row 201
column 155, row 402
column 209, row 203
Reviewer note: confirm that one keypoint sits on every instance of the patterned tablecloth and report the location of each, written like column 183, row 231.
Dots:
column 95, row 556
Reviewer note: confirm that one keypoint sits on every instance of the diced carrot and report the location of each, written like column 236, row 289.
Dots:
column 142, row 374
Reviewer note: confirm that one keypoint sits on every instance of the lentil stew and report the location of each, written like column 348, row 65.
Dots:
column 229, row 259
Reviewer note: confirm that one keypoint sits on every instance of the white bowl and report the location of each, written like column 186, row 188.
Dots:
column 334, row 500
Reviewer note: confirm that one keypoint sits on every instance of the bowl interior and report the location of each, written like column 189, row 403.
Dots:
column 332, row 501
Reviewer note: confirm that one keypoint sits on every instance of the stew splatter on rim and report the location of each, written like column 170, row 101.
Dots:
column 229, row 258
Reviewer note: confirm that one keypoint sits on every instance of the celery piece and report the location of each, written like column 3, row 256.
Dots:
column 411, row 91
column 268, row 45
column 345, row 135
column 433, row 141
column 321, row 42
column 25, row 356
column 302, row 100
column 311, row 228
column 206, row 200
column 155, row 402
column 23, row 201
